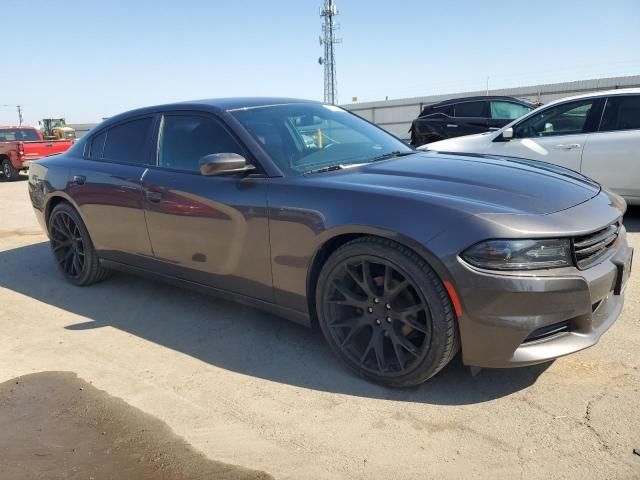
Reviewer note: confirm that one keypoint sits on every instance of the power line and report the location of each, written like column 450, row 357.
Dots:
column 329, row 40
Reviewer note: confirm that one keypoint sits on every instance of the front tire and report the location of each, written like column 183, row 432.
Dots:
column 9, row 171
column 385, row 312
column 72, row 247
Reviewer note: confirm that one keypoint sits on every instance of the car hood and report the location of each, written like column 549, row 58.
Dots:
column 484, row 183
column 477, row 143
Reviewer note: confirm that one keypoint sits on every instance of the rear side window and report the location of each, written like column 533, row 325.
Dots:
column 470, row 109
column 621, row 113
column 508, row 110
column 97, row 146
column 127, row 142
column 184, row 139
column 19, row 134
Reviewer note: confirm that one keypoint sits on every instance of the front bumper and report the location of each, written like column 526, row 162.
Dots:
column 512, row 320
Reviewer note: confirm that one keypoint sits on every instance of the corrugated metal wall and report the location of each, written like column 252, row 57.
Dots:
column 396, row 116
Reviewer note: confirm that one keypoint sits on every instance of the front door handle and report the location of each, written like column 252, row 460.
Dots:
column 79, row 179
column 451, row 125
column 568, row 146
column 152, row 196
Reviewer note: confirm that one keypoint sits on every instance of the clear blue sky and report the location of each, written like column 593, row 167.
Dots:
column 85, row 59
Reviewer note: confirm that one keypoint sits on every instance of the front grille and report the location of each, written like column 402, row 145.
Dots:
column 548, row 331
column 588, row 249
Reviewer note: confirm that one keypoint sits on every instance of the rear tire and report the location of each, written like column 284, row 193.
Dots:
column 72, row 247
column 9, row 171
column 385, row 313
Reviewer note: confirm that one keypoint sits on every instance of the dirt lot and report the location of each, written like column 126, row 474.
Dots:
column 246, row 388
column 55, row 425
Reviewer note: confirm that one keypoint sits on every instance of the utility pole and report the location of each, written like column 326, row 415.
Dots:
column 19, row 107
column 329, row 40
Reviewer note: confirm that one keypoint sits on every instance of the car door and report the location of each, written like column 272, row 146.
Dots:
column 469, row 118
column 107, row 188
column 612, row 154
column 212, row 230
column 432, row 124
column 556, row 134
column 503, row 112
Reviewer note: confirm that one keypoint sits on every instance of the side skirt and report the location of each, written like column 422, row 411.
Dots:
column 293, row 315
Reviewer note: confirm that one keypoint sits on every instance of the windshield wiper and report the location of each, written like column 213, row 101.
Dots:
column 330, row 168
column 394, row 154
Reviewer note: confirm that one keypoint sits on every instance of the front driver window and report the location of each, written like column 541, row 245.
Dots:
column 508, row 110
column 566, row 119
column 184, row 139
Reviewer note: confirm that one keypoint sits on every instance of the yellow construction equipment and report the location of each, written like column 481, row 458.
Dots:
column 56, row 129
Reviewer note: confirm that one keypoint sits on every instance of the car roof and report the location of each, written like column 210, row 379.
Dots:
column 237, row 103
column 17, row 126
column 482, row 97
column 226, row 104
column 596, row 94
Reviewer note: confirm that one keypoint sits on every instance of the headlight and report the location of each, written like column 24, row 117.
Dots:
column 520, row 254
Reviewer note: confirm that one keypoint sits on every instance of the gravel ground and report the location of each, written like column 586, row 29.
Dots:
column 246, row 388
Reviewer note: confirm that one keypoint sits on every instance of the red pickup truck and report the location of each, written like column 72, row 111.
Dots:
column 19, row 146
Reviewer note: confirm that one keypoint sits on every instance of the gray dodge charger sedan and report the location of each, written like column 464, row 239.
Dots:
column 308, row 211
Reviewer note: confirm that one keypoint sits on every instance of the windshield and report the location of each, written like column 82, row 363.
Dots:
column 18, row 134
column 303, row 137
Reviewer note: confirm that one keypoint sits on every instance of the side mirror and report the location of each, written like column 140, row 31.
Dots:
column 507, row 134
column 224, row 164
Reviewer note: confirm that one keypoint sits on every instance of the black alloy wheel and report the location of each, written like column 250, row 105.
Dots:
column 67, row 244
column 72, row 247
column 388, row 322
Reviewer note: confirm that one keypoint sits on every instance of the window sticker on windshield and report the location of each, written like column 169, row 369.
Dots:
column 333, row 108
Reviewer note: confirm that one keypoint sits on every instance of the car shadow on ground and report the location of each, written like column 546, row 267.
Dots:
column 23, row 177
column 233, row 336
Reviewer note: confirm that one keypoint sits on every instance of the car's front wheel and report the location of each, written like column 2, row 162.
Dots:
column 72, row 247
column 385, row 312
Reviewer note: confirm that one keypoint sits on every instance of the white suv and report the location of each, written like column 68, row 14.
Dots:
column 597, row 134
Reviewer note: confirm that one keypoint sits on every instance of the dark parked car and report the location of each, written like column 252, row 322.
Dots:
column 466, row 116
column 306, row 210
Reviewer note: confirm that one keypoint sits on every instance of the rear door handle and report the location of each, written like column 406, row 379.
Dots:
column 451, row 125
column 152, row 196
column 79, row 179
column 569, row 146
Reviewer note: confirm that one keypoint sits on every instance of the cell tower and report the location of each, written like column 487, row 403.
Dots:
column 329, row 40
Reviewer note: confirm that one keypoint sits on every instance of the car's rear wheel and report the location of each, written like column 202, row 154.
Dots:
column 385, row 312
column 9, row 172
column 72, row 247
